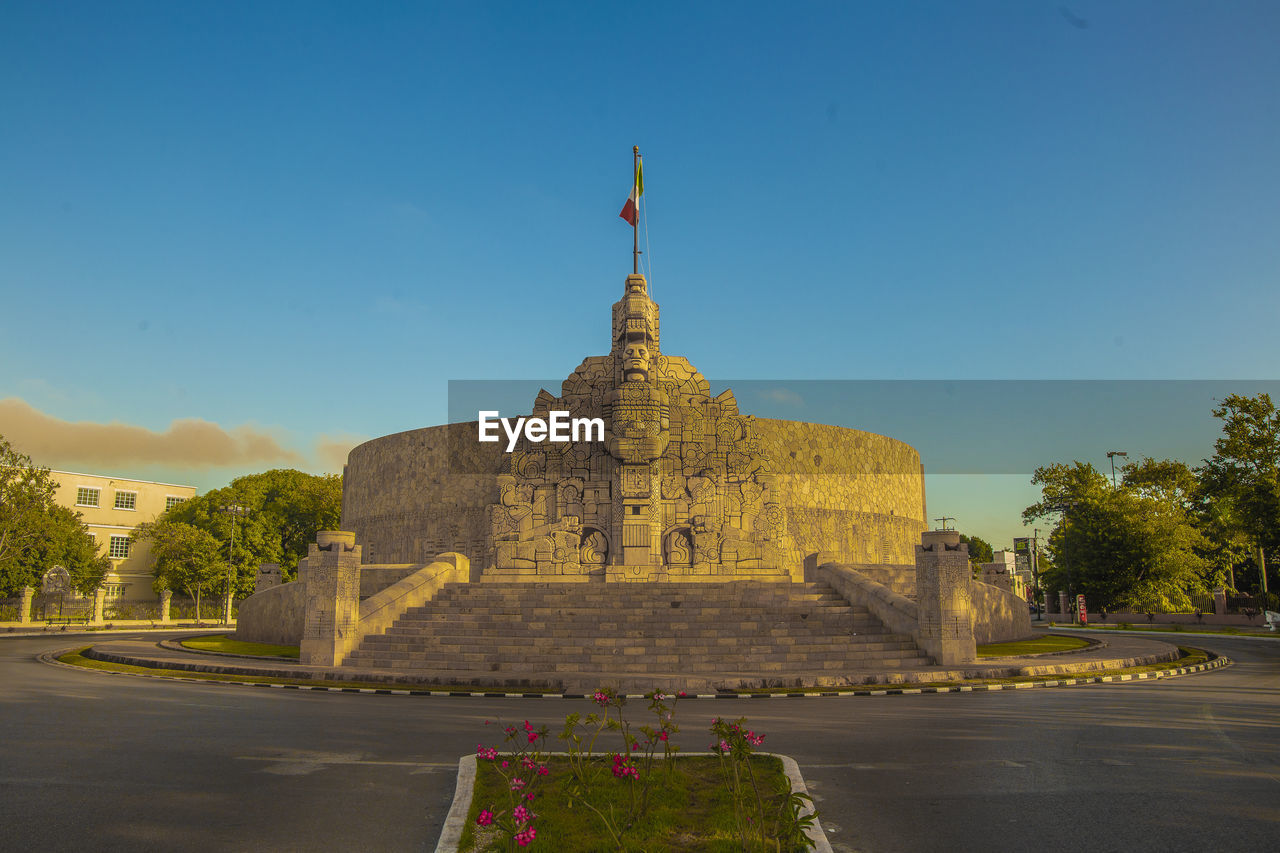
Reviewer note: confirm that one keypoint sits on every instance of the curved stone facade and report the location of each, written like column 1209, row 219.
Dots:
column 855, row 495
column 412, row 495
column 846, row 492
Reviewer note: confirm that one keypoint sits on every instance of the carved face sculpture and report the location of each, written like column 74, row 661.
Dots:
column 635, row 362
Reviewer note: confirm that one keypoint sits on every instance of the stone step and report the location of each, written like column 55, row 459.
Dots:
column 637, row 629
column 740, row 591
column 640, row 666
column 427, row 618
column 672, row 657
column 404, row 641
column 636, row 601
column 639, row 632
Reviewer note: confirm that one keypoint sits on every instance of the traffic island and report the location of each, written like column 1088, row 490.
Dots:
column 1120, row 658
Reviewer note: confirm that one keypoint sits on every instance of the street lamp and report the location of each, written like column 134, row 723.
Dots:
column 232, row 510
column 1112, row 454
column 1063, row 506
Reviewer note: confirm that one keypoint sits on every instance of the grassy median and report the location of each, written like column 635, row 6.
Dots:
column 689, row 810
column 1037, row 646
column 226, row 645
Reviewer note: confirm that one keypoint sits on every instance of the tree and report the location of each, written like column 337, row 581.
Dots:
column 62, row 540
column 1162, row 479
column 187, row 558
column 979, row 549
column 1244, row 474
column 36, row 533
column 284, row 510
column 1133, row 548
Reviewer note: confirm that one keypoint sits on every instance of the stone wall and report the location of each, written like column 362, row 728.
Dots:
column 858, row 495
column 415, row 494
column 855, row 494
column 274, row 615
column 999, row 616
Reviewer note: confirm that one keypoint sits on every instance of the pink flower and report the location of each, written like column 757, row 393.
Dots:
column 622, row 768
column 662, row 735
column 533, row 736
column 504, row 764
column 525, row 836
column 529, row 797
column 542, row 770
column 528, row 727
column 485, row 818
column 724, row 746
column 517, row 783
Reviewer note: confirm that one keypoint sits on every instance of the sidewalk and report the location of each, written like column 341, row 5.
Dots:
column 42, row 628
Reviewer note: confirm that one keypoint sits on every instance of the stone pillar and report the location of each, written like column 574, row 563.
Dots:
column 24, row 604
column 331, row 574
column 1064, row 604
column 268, row 577
column 1219, row 602
column 99, row 605
column 166, row 598
column 944, row 600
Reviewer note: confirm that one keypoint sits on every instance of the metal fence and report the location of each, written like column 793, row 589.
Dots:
column 1202, row 603
column 1253, row 603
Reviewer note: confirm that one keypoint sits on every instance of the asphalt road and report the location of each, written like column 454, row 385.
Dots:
column 96, row 762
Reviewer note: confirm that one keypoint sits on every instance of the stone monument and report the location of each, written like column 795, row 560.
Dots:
column 461, row 551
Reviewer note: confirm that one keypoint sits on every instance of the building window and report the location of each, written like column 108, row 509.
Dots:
column 86, row 496
column 119, row 547
column 170, row 501
column 93, row 537
column 126, row 500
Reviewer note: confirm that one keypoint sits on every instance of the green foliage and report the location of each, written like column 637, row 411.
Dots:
column 36, row 533
column 284, row 510
column 1134, row 547
column 980, row 550
column 186, row 558
column 62, row 540
column 1242, row 480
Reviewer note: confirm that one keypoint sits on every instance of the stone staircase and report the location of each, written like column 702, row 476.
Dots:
column 741, row 633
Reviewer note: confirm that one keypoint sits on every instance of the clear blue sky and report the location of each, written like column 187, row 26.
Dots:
column 299, row 221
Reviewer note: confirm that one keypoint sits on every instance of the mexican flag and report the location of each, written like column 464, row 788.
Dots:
column 631, row 209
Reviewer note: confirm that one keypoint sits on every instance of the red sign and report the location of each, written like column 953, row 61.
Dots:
column 1080, row 609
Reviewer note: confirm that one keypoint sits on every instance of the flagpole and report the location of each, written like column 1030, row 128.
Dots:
column 635, row 226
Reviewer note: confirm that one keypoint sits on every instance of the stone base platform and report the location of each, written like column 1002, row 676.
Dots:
column 1117, row 653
